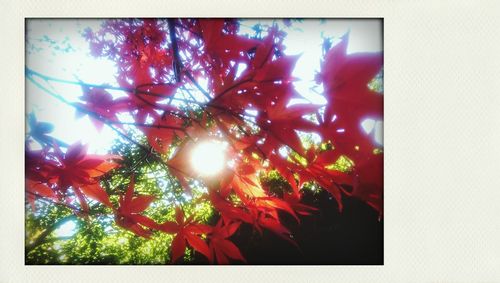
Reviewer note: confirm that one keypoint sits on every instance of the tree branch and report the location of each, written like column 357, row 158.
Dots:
column 175, row 49
column 105, row 121
column 41, row 238
column 198, row 86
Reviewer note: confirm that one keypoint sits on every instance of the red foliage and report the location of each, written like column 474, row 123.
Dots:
column 185, row 230
column 51, row 174
column 221, row 248
column 158, row 58
column 127, row 215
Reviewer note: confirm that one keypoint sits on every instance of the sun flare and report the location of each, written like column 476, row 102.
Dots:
column 209, row 157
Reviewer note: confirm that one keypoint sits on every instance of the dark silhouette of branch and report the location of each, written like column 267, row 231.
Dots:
column 110, row 122
column 105, row 121
column 177, row 65
column 30, row 73
column 198, row 86
column 101, row 118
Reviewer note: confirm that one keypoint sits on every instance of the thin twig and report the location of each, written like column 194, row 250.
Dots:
column 202, row 90
column 41, row 238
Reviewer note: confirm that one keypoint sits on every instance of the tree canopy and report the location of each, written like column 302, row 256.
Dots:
column 216, row 150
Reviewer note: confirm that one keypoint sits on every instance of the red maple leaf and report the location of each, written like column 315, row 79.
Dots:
column 299, row 208
column 39, row 167
column 345, row 78
column 128, row 213
column 228, row 210
column 244, row 181
column 368, row 185
column 329, row 179
column 222, row 249
column 180, row 166
column 38, row 189
column 186, row 230
column 101, row 103
column 77, row 168
column 161, row 132
column 281, row 122
column 221, row 45
column 260, row 214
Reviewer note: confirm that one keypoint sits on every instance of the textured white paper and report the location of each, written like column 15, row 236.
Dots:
column 442, row 140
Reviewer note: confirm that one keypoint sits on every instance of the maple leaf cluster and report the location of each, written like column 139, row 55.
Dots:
column 160, row 64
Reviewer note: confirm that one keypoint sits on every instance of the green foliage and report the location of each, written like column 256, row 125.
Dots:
column 377, row 84
column 275, row 183
column 343, row 164
column 98, row 240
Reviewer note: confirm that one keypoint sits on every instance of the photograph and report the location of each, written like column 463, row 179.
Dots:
column 204, row 141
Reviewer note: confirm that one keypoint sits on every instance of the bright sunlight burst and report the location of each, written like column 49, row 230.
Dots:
column 208, row 157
